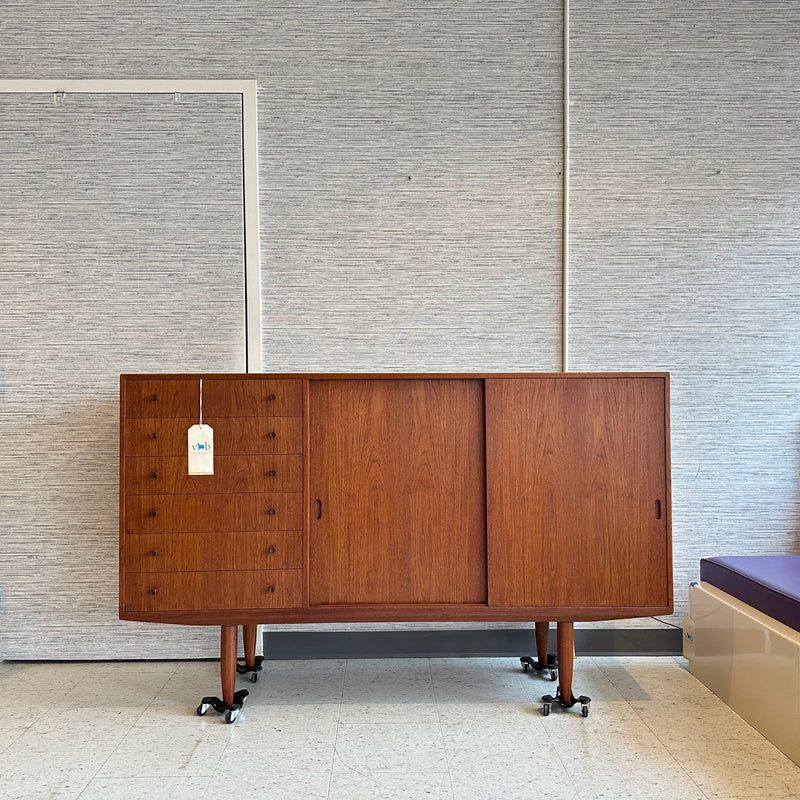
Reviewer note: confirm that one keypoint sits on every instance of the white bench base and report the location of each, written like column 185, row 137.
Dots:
column 749, row 660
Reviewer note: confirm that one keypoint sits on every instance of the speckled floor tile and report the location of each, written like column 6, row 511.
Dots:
column 168, row 752
column 145, row 788
column 540, row 783
column 372, row 749
column 480, row 680
column 747, row 766
column 349, row 784
column 307, row 785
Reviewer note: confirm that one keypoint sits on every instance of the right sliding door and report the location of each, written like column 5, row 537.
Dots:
column 578, row 492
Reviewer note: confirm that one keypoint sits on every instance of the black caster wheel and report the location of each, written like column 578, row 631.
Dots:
column 525, row 666
column 584, row 701
column 546, row 710
column 553, row 674
column 202, row 709
column 253, row 677
column 231, row 714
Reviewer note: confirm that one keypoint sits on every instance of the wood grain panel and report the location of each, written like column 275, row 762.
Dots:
column 163, row 513
column 164, row 591
column 397, row 487
column 248, row 473
column 232, row 436
column 182, row 552
column 577, row 492
column 264, row 397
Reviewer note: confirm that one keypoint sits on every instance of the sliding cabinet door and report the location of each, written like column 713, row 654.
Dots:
column 577, row 495
column 397, row 492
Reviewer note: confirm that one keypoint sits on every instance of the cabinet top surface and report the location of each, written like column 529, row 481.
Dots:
column 386, row 375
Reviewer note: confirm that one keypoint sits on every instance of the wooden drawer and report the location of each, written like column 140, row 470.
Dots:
column 162, row 398
column 222, row 397
column 180, row 552
column 197, row 591
column 208, row 513
column 232, row 436
column 169, row 475
column 254, row 397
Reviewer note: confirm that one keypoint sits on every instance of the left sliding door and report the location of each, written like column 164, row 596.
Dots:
column 121, row 251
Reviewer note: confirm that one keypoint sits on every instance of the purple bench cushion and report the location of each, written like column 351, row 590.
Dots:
column 769, row 583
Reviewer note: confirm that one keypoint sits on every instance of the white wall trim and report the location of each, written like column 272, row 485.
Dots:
column 565, row 201
column 249, row 93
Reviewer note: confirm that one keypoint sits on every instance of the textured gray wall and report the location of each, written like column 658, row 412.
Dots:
column 410, row 213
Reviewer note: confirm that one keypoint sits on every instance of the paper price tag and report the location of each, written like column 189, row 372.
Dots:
column 201, row 450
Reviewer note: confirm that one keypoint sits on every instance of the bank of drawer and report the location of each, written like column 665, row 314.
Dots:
column 232, row 435
column 169, row 475
column 261, row 397
column 209, row 513
column 244, row 550
column 198, row 591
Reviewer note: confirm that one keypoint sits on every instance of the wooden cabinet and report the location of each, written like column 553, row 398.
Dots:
column 361, row 498
column 401, row 497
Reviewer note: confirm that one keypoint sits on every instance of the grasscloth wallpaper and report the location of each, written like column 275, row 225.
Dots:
column 410, row 184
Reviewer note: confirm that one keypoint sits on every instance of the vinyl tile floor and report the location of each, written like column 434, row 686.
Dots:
column 394, row 729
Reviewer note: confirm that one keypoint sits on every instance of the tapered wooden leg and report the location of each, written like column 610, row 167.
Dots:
column 250, row 636
column 565, row 652
column 227, row 657
column 232, row 701
column 542, row 640
column 565, row 649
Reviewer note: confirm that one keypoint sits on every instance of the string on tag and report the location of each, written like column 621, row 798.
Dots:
column 201, row 401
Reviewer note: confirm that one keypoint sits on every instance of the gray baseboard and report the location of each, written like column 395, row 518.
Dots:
column 281, row 645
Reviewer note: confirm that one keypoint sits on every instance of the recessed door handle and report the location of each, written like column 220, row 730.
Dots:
column 318, row 508
column 658, row 509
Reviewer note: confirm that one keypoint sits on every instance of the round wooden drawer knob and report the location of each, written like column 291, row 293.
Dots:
column 272, row 434
column 272, row 473
column 154, row 436
column 272, row 550
column 272, row 397
column 272, row 511
column 153, row 513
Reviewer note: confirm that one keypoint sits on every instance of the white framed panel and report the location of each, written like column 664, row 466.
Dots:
column 125, row 248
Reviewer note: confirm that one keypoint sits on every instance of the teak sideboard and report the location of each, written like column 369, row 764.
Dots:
column 396, row 497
